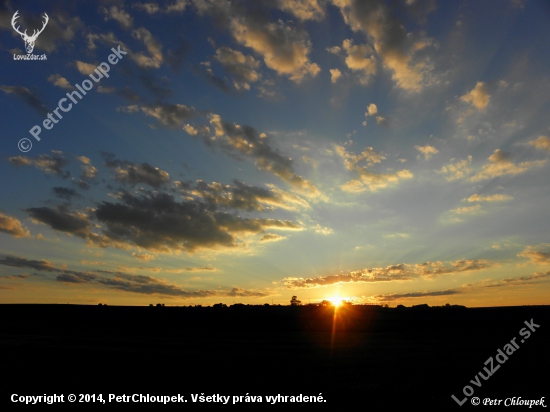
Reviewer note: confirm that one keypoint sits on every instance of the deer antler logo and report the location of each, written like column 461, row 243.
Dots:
column 29, row 40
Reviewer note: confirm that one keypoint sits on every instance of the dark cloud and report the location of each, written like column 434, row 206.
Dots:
column 61, row 28
column 121, row 281
column 49, row 164
column 65, row 193
column 236, row 140
column 76, row 277
column 22, row 276
column 241, row 196
column 176, row 57
column 207, row 73
column 421, row 9
column 61, row 219
column 148, row 285
column 128, row 94
column 28, row 97
column 398, row 296
column 157, row 222
column 246, row 141
column 19, row 262
column 243, row 68
column 157, row 86
column 132, row 174
column 527, row 279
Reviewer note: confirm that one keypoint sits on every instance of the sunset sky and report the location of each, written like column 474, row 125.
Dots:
column 390, row 152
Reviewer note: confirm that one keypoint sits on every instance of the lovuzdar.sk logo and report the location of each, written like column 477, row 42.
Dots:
column 29, row 40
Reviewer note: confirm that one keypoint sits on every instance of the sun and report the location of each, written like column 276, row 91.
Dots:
column 336, row 301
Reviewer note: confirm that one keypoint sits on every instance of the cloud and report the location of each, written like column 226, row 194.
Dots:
column 88, row 172
column 457, row 170
column 157, row 86
column 149, row 285
column 335, row 75
column 236, row 140
column 156, row 222
column 191, row 269
column 372, row 109
column 65, row 193
column 467, row 210
column 60, row 218
column 241, row 196
column 154, row 57
column 61, row 29
column 536, row 254
column 85, row 68
column 395, row 235
column 526, row 280
column 322, row 230
column 399, row 296
column 146, row 257
column 176, row 56
column 128, row 94
column 541, row 143
column 120, row 15
column 427, row 151
column 501, row 165
column 360, row 58
column 392, row 273
column 49, row 164
column 153, row 8
column 60, row 81
column 244, row 69
column 246, row 141
column 489, row 198
column 133, row 174
column 272, row 237
column 122, row 281
column 168, row 115
column 478, row 96
column 28, row 97
column 19, row 262
column 391, row 42
column 367, row 178
column 12, row 226
column 303, row 9
column 284, row 48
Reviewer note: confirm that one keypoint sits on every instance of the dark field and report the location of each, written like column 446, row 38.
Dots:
column 372, row 356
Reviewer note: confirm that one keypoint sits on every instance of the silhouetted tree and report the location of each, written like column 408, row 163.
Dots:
column 295, row 302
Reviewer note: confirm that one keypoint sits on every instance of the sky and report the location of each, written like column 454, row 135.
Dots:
column 194, row 152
